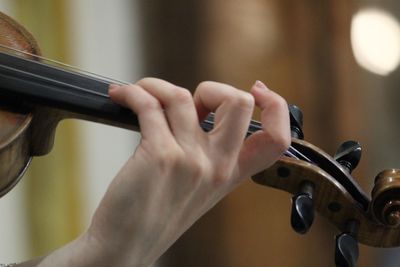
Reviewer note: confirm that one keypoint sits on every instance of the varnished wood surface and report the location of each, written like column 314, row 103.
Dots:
column 14, row 127
column 12, row 124
column 14, row 148
column 328, row 192
column 12, row 34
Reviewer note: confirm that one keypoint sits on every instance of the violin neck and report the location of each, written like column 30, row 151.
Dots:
column 47, row 88
column 71, row 93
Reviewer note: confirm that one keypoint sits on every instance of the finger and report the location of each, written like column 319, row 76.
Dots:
column 153, row 124
column 178, row 105
column 233, row 110
column 264, row 147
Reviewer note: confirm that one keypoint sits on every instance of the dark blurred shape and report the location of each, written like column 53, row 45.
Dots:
column 349, row 155
column 172, row 39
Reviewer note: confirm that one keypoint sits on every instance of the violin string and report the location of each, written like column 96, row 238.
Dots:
column 78, row 88
column 291, row 152
column 65, row 66
column 209, row 122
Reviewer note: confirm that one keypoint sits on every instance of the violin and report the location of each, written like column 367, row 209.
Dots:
column 35, row 96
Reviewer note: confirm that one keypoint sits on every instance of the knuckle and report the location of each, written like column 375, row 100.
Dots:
column 146, row 80
column 240, row 99
column 233, row 95
column 283, row 142
column 221, row 176
column 205, row 84
column 196, row 162
column 196, row 169
column 222, row 171
column 150, row 104
column 168, row 159
column 245, row 100
column 209, row 86
column 182, row 95
column 280, row 142
column 279, row 103
column 175, row 160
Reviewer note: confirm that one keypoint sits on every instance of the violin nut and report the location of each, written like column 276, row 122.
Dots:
column 385, row 204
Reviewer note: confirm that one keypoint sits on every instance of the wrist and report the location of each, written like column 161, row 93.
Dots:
column 82, row 252
column 112, row 249
column 96, row 250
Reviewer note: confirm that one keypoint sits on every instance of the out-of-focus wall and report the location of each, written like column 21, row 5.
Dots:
column 104, row 40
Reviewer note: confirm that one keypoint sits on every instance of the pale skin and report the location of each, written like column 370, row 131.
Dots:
column 178, row 172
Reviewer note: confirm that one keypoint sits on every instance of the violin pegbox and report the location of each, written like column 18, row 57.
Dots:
column 320, row 183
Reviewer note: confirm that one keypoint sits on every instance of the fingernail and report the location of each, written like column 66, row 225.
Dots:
column 113, row 87
column 261, row 85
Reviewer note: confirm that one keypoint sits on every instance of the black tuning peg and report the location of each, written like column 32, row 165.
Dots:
column 346, row 249
column 302, row 215
column 349, row 155
column 296, row 122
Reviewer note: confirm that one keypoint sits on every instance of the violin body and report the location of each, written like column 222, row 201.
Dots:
column 14, row 148
column 36, row 97
column 26, row 129
column 15, row 124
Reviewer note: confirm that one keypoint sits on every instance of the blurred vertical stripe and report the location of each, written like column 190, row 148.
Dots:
column 53, row 196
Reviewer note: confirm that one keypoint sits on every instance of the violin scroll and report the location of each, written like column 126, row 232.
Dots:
column 385, row 205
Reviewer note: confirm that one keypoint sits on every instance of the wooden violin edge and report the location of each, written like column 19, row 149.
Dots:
column 14, row 156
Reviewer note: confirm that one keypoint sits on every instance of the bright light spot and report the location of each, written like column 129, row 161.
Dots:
column 375, row 39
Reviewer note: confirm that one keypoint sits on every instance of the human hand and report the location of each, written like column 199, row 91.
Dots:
column 178, row 171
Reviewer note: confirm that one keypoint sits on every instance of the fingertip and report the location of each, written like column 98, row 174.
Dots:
column 260, row 85
column 259, row 88
column 118, row 94
column 112, row 88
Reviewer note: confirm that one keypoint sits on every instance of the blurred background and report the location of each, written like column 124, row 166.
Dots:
column 337, row 60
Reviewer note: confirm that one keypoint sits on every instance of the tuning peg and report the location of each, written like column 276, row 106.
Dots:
column 296, row 121
column 346, row 252
column 346, row 249
column 302, row 215
column 349, row 155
